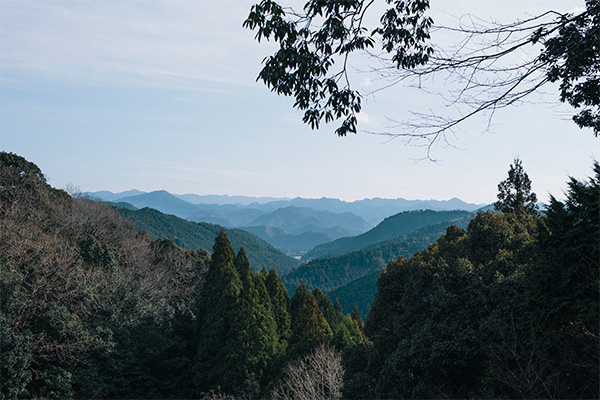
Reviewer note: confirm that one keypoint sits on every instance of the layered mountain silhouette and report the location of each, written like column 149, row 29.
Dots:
column 391, row 227
column 301, row 223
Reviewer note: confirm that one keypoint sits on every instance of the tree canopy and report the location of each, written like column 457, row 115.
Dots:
column 315, row 45
column 506, row 309
column 514, row 193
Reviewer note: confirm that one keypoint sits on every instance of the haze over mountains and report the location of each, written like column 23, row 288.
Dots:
column 339, row 247
column 294, row 226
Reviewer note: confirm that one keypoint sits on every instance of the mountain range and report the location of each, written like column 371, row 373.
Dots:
column 344, row 245
column 393, row 226
column 301, row 223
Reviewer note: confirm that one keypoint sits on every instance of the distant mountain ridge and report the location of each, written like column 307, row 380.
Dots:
column 373, row 210
column 302, row 220
column 226, row 199
column 162, row 201
column 396, row 225
column 296, row 220
column 376, row 209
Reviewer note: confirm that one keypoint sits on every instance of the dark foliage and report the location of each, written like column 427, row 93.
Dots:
column 309, row 49
column 316, row 45
column 514, row 193
column 507, row 309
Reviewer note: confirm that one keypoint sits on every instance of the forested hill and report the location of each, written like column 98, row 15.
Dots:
column 389, row 228
column 90, row 308
column 329, row 273
column 196, row 235
column 359, row 293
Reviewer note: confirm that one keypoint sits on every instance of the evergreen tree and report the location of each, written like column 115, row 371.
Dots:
column 309, row 327
column 562, row 291
column 514, row 193
column 334, row 316
column 441, row 318
column 256, row 331
column 215, row 362
column 345, row 331
column 346, row 334
column 356, row 317
column 280, row 303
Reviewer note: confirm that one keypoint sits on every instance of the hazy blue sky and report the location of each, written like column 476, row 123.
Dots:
column 115, row 95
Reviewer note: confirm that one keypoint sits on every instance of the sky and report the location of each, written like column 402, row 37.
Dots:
column 162, row 95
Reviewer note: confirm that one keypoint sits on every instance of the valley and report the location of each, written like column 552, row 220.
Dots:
column 325, row 243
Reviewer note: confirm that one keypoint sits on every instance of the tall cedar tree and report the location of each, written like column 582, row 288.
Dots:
column 309, row 327
column 280, row 302
column 333, row 316
column 215, row 362
column 256, row 331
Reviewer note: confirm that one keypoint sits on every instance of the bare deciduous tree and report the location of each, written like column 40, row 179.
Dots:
column 315, row 376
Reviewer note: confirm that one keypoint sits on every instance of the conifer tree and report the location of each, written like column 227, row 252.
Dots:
column 514, row 193
column 256, row 331
column 219, row 302
column 563, row 290
column 280, row 302
column 309, row 327
column 347, row 334
column 356, row 318
column 332, row 316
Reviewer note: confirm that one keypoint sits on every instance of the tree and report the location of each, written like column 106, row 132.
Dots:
column 280, row 302
column 563, row 290
column 309, row 327
column 322, row 36
column 219, row 302
column 514, row 193
column 255, row 340
column 317, row 375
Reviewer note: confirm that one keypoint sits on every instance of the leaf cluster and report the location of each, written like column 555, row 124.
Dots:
column 326, row 32
column 574, row 61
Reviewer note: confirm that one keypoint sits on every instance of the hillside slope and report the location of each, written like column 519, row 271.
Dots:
column 389, row 228
column 289, row 244
column 360, row 293
column 333, row 272
column 195, row 235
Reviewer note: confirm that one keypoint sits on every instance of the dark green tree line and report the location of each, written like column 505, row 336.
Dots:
column 506, row 309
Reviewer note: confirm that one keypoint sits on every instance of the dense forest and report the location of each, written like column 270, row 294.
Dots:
column 506, row 309
column 91, row 307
